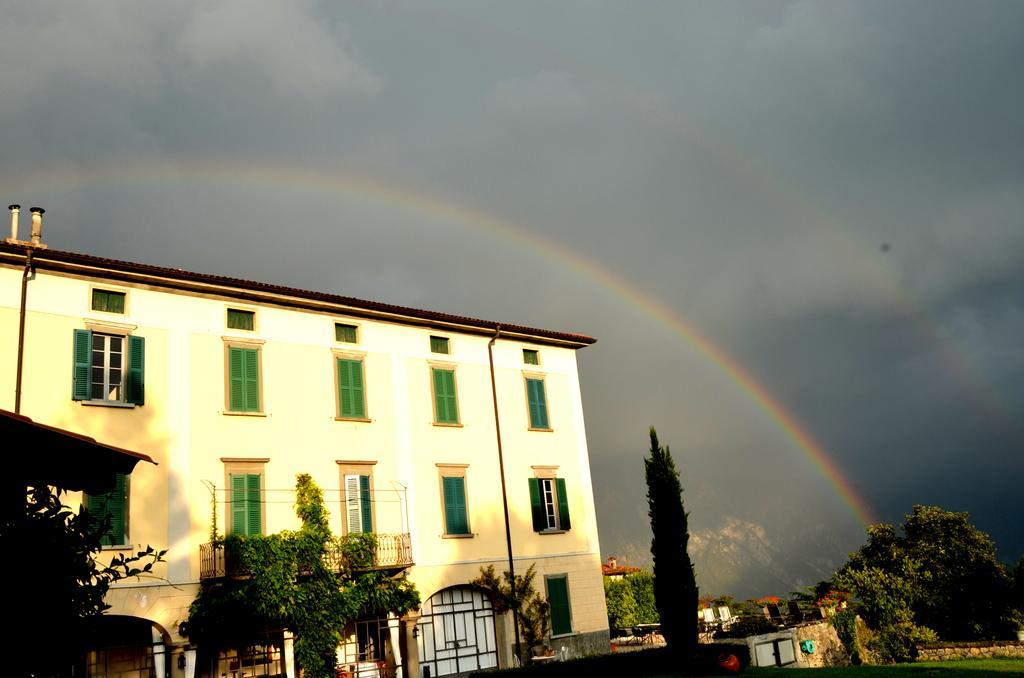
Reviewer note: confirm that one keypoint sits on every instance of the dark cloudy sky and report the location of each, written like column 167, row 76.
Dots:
column 832, row 193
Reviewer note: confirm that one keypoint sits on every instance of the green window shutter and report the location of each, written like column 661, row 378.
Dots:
column 452, row 408
column 456, row 520
column 236, row 379
column 542, row 405
column 537, row 403
column 107, row 301
column 97, row 507
column 439, row 401
column 558, row 598
column 241, row 320
column 358, row 396
column 351, row 400
column 563, row 504
column 531, row 357
column 254, row 509
column 238, row 505
column 345, row 333
column 252, row 380
column 539, row 523
column 82, row 355
column 364, row 503
column 444, row 397
column 438, row 345
column 136, row 370
column 462, row 525
column 117, row 509
column 112, row 508
column 449, row 505
column 344, row 388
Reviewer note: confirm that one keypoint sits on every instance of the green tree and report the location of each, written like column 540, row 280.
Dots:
column 675, row 586
column 1018, row 584
column 941, row 573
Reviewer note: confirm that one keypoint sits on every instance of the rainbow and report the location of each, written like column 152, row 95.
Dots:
column 203, row 173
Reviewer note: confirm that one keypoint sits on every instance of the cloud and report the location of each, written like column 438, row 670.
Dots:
column 298, row 53
column 740, row 165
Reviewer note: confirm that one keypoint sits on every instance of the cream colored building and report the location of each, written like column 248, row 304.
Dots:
column 234, row 387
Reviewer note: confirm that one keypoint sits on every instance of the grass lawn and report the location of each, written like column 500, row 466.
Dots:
column 657, row 664
column 970, row 668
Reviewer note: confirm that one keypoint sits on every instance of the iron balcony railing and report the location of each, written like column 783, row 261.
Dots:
column 391, row 552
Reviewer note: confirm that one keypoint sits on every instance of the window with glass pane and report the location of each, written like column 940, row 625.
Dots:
column 531, row 357
column 107, row 367
column 439, row 345
column 241, row 320
column 547, row 497
column 358, row 511
column 107, row 301
column 549, row 504
column 345, row 333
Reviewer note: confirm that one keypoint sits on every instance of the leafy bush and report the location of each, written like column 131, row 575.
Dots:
column 642, row 585
column 630, row 600
column 845, row 623
column 618, row 598
column 531, row 608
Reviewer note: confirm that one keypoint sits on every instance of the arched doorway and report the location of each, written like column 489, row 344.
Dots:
column 456, row 633
column 124, row 647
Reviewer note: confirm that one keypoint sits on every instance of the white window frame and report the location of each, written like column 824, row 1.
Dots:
column 122, row 386
column 549, row 501
column 353, row 501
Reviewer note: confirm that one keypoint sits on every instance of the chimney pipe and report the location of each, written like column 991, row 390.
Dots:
column 15, row 211
column 37, row 224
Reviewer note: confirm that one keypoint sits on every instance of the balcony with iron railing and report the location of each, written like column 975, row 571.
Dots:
column 364, row 509
column 217, row 560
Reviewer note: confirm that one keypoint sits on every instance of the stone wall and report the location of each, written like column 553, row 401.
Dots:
column 937, row 652
column 828, row 649
column 582, row 644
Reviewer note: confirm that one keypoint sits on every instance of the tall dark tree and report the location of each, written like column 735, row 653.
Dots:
column 675, row 587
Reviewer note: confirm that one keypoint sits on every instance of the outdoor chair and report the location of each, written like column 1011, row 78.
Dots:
column 725, row 617
column 708, row 614
column 796, row 615
column 771, row 611
column 707, row 625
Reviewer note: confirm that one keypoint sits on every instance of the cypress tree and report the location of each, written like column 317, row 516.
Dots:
column 675, row 587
